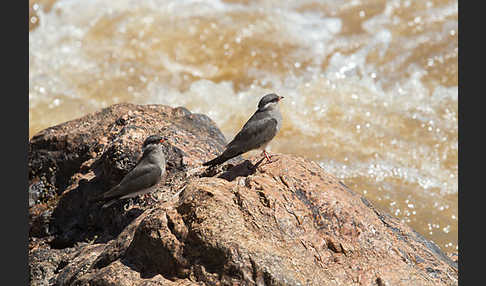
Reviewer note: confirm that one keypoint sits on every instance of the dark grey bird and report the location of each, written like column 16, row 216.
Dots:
column 146, row 174
column 257, row 132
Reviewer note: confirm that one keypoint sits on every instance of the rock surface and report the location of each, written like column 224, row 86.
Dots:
column 282, row 223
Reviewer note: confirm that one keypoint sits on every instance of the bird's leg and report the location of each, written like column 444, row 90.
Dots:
column 153, row 199
column 268, row 156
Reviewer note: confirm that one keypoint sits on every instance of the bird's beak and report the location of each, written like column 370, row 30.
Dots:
column 280, row 98
column 162, row 140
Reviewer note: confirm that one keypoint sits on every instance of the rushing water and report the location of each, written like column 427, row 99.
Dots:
column 371, row 87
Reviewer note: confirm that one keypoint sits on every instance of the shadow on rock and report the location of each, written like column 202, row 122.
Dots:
column 76, row 218
column 230, row 171
column 243, row 169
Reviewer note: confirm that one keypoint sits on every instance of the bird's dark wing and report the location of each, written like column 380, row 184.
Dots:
column 143, row 176
column 254, row 134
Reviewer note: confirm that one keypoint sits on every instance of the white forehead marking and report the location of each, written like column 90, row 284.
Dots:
column 268, row 105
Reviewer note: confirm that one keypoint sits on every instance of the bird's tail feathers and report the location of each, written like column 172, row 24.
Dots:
column 228, row 154
column 104, row 196
column 216, row 161
column 96, row 199
column 109, row 203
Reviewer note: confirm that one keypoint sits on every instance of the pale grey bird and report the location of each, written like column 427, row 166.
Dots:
column 146, row 174
column 257, row 132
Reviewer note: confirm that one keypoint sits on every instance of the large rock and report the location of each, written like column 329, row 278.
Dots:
column 283, row 223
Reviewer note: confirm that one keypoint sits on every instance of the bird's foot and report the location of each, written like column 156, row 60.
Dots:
column 128, row 205
column 149, row 199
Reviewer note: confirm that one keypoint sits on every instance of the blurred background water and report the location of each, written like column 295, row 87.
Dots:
column 371, row 87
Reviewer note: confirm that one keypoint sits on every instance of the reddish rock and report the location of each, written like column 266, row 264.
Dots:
column 283, row 223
